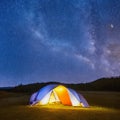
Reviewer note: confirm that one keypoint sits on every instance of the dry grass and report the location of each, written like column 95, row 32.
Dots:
column 103, row 99
column 103, row 106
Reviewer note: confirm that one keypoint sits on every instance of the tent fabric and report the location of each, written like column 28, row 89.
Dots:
column 42, row 92
column 83, row 101
column 73, row 99
column 32, row 99
column 54, row 93
column 38, row 96
column 45, row 99
column 63, row 95
column 74, row 93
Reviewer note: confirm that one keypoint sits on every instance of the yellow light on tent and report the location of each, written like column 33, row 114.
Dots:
column 63, row 95
column 60, row 88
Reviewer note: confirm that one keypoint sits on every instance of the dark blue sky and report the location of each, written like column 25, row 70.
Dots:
column 69, row 41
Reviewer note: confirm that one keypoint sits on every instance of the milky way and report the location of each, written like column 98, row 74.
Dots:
column 69, row 41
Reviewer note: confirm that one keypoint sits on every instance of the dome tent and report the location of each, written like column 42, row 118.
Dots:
column 54, row 93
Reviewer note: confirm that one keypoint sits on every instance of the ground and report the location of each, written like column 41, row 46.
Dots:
column 103, row 105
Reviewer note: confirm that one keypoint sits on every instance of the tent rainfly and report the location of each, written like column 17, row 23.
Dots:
column 53, row 93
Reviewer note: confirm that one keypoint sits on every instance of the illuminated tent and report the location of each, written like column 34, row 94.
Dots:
column 57, row 94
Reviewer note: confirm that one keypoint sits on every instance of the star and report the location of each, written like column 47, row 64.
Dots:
column 112, row 26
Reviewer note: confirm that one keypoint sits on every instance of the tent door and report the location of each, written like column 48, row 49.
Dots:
column 53, row 98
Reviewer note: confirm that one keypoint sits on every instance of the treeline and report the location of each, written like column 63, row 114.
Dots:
column 103, row 84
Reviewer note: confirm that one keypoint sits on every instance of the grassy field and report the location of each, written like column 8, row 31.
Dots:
column 103, row 105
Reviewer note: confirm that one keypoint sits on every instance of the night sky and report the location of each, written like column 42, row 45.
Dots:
column 69, row 41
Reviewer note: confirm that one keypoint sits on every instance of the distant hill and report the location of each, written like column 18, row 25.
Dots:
column 5, row 88
column 103, row 84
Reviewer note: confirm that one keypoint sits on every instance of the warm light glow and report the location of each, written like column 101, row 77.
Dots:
column 52, row 98
column 60, row 95
column 60, row 88
column 63, row 95
column 82, row 104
